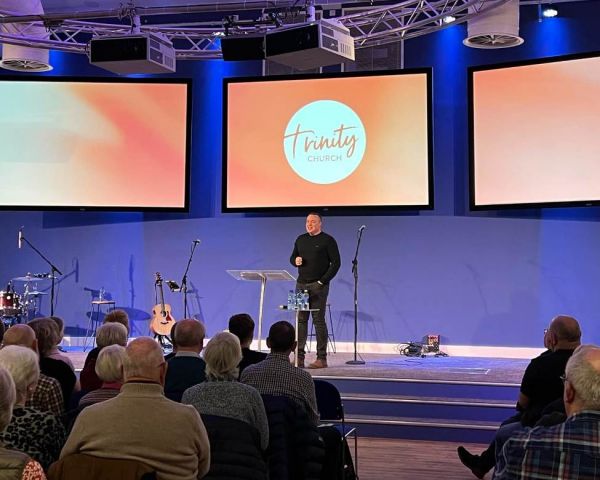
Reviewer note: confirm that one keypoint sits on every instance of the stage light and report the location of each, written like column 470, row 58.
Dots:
column 448, row 19
column 549, row 12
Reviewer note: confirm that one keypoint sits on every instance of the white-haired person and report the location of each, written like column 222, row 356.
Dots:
column 571, row 449
column 14, row 464
column 221, row 394
column 111, row 333
column 38, row 434
column 109, row 368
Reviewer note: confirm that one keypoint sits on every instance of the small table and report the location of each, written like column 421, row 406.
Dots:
column 95, row 318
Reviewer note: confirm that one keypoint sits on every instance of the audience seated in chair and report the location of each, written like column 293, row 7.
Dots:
column 144, row 426
column 569, row 450
column 46, row 334
column 541, row 385
column 109, row 368
column 48, row 395
column 111, row 333
column 242, row 326
column 38, row 434
column 55, row 351
column 277, row 376
column 186, row 368
column 221, row 394
column 13, row 464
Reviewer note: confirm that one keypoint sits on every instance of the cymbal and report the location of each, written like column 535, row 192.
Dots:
column 32, row 278
column 35, row 293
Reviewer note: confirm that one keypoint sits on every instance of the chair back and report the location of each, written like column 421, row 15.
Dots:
column 78, row 465
column 235, row 450
column 329, row 401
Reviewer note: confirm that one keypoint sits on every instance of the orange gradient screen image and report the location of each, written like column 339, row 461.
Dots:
column 343, row 141
column 92, row 144
column 535, row 133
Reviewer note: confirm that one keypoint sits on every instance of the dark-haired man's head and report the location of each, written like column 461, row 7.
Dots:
column 189, row 335
column 282, row 337
column 242, row 326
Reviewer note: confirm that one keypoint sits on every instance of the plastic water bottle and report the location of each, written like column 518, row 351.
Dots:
column 291, row 300
column 305, row 300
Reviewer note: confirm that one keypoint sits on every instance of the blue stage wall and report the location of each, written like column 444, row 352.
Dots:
column 485, row 278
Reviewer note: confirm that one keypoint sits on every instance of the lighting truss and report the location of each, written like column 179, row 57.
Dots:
column 370, row 26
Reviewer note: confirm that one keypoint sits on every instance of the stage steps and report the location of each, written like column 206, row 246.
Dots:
column 425, row 409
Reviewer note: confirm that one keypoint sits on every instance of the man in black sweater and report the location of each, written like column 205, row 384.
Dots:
column 317, row 257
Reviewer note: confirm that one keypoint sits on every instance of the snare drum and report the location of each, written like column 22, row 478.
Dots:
column 10, row 305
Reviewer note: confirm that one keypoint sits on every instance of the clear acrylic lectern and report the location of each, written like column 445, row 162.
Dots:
column 262, row 276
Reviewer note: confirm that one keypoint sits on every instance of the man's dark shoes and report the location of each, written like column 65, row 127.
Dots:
column 472, row 462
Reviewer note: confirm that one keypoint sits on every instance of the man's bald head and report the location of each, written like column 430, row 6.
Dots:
column 144, row 361
column 21, row 335
column 189, row 335
column 563, row 333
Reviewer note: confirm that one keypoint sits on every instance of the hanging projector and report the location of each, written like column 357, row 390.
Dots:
column 135, row 53
column 312, row 45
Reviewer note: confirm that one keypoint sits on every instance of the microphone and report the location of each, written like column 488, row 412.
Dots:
column 197, row 241
column 20, row 242
column 362, row 227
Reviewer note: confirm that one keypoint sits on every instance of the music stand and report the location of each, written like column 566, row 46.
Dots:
column 262, row 276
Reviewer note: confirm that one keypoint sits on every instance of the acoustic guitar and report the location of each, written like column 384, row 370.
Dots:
column 162, row 320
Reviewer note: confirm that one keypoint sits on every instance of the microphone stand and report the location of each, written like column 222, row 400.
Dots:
column 355, row 273
column 184, row 288
column 53, row 271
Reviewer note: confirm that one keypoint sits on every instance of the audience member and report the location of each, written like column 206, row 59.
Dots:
column 118, row 316
column 46, row 334
column 55, row 351
column 48, row 395
column 221, row 394
column 2, row 330
column 277, row 376
column 186, row 368
column 109, row 368
column 541, row 385
column 144, row 425
column 571, row 449
column 38, row 434
column 112, row 333
column 242, row 326
column 13, row 464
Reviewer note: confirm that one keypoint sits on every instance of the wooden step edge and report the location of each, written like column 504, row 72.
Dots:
column 425, row 401
column 418, row 380
column 351, row 421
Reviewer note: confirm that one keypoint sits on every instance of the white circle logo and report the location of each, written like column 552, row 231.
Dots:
column 324, row 141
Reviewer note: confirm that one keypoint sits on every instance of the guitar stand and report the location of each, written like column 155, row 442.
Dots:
column 164, row 341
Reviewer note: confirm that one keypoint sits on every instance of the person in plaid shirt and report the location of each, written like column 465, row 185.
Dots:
column 571, row 450
column 47, row 396
column 277, row 376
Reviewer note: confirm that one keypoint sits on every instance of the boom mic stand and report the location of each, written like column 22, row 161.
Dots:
column 355, row 273
column 53, row 271
column 184, row 288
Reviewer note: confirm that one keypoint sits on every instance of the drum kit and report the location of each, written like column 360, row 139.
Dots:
column 16, row 307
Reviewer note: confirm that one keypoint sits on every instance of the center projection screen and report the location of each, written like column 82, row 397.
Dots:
column 94, row 144
column 534, row 139
column 333, row 140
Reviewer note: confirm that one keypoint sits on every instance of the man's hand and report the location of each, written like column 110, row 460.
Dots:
column 298, row 261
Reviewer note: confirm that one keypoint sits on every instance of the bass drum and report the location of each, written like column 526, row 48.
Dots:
column 10, row 304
